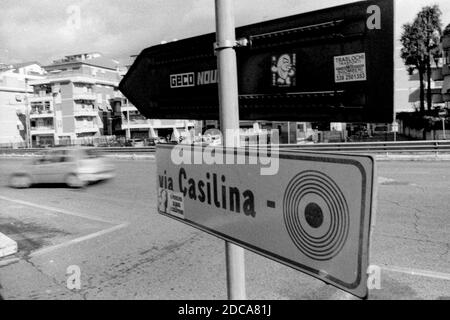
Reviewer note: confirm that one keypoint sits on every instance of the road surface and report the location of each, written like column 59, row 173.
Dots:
column 125, row 250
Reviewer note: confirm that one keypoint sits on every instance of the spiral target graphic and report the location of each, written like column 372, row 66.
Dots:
column 316, row 215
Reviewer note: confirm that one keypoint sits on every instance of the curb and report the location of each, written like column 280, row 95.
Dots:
column 7, row 246
column 436, row 158
column 130, row 156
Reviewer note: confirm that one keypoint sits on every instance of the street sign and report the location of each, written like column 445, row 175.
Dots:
column 331, row 65
column 443, row 113
column 311, row 212
column 395, row 127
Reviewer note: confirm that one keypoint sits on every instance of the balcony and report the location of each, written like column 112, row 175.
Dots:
column 42, row 130
column 84, row 96
column 35, row 114
column 39, row 98
column 86, row 129
column 81, row 112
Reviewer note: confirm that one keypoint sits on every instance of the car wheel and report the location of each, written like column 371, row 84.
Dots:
column 73, row 181
column 20, row 181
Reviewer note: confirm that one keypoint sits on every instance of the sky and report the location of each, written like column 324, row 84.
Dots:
column 45, row 30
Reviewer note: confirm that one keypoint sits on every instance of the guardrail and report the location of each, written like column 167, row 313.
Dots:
column 408, row 147
column 377, row 147
column 105, row 150
column 132, row 150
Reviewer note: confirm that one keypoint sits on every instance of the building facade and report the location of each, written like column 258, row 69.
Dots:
column 14, row 92
column 129, row 122
column 66, row 106
column 446, row 67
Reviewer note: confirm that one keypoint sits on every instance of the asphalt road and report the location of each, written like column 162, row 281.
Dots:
column 125, row 250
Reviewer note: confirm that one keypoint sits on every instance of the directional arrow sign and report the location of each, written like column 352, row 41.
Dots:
column 331, row 65
column 306, row 210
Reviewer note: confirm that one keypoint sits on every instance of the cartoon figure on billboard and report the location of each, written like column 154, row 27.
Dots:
column 284, row 70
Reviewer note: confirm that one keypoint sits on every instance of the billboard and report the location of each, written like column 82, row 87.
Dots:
column 331, row 65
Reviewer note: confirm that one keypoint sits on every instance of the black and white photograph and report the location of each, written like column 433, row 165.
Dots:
column 224, row 155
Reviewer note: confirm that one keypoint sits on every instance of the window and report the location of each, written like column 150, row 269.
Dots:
column 447, row 56
column 56, row 156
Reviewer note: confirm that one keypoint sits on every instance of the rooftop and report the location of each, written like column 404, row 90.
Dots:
column 25, row 64
column 92, row 59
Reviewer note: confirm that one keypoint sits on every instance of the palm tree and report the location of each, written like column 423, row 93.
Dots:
column 421, row 40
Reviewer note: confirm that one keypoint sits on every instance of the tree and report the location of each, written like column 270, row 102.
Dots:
column 429, row 19
column 413, row 55
column 421, row 40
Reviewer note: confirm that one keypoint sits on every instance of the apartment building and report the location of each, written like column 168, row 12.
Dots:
column 14, row 91
column 441, row 75
column 66, row 106
column 446, row 67
column 134, row 125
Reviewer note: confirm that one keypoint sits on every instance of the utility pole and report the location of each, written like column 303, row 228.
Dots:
column 229, row 121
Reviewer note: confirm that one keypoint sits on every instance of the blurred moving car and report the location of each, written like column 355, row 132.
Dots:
column 135, row 143
column 74, row 167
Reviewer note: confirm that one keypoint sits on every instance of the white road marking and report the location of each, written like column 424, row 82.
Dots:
column 383, row 180
column 118, row 225
column 8, row 261
column 78, row 240
column 57, row 210
column 416, row 272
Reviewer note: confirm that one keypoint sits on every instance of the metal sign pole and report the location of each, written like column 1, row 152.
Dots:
column 229, row 120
